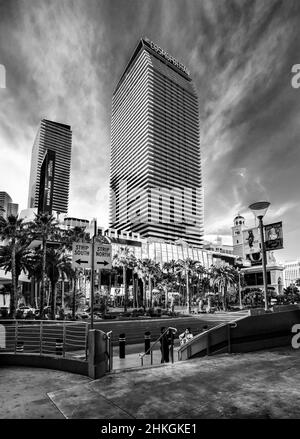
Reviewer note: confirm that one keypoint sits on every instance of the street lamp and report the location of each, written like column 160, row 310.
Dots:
column 259, row 209
column 240, row 289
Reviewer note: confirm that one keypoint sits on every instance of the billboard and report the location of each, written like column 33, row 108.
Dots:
column 46, row 183
column 273, row 236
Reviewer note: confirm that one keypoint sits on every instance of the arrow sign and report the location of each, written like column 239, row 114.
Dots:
column 81, row 255
column 103, row 255
column 79, row 261
column 102, row 263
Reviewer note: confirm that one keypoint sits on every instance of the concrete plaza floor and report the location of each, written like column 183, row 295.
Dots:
column 262, row 384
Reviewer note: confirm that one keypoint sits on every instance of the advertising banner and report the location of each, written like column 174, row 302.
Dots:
column 251, row 240
column 252, row 249
column 273, row 236
column 254, row 258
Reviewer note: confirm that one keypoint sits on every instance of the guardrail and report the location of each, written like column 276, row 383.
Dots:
column 214, row 340
column 169, row 330
column 44, row 337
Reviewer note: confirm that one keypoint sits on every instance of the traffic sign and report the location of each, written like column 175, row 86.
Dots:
column 102, row 254
column 82, row 255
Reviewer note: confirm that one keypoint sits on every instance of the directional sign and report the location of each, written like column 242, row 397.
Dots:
column 82, row 255
column 102, row 256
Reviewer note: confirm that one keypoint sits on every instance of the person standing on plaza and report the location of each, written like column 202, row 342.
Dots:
column 164, row 345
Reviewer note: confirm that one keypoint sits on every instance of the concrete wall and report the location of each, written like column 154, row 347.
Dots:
column 45, row 361
column 251, row 333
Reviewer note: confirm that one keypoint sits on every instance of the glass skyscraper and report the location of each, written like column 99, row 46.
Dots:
column 155, row 170
column 56, row 137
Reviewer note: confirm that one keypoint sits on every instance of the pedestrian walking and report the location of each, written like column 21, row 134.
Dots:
column 165, row 342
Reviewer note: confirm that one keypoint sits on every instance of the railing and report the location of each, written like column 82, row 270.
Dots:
column 170, row 330
column 45, row 337
column 214, row 340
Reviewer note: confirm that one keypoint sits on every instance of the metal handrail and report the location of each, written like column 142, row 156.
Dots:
column 150, row 350
column 208, row 331
column 44, row 337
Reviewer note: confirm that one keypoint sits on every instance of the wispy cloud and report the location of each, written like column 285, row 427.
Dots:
column 64, row 58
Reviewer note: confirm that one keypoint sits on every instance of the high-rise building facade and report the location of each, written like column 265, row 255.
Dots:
column 155, row 170
column 5, row 200
column 55, row 137
column 12, row 209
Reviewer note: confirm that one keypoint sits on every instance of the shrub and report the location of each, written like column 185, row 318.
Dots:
column 19, row 314
column 4, row 313
column 30, row 315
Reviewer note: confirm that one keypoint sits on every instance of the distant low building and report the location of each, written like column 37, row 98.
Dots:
column 247, row 246
column 75, row 222
column 291, row 272
column 7, row 207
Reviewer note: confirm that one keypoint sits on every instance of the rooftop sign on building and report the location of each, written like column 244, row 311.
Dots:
column 168, row 57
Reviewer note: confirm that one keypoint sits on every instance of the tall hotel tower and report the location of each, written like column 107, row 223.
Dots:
column 155, row 170
column 54, row 138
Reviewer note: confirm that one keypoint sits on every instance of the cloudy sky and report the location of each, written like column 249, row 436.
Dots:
column 64, row 57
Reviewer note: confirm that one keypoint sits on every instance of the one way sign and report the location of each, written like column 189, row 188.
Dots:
column 102, row 256
column 82, row 255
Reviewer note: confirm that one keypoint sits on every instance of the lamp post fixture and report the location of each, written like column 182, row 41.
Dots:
column 259, row 209
column 240, row 289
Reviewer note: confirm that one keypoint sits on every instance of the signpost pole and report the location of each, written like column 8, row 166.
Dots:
column 92, row 275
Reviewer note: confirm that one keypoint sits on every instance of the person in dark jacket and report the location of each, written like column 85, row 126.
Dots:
column 165, row 342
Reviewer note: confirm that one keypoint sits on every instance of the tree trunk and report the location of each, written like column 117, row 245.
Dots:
column 62, row 294
column 133, row 290
column 125, row 289
column 150, row 290
column 74, row 297
column 36, row 286
column 208, row 304
column 224, row 299
column 42, row 291
column 136, row 293
column 188, row 293
column 14, row 289
column 144, row 293
column 53, row 297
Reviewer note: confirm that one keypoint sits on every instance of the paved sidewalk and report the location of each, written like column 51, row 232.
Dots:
column 252, row 385
column 24, row 391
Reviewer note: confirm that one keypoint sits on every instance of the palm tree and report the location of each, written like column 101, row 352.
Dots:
column 12, row 232
column 153, row 273
column 187, row 268
column 44, row 227
column 57, row 264
column 201, row 273
column 124, row 259
column 223, row 277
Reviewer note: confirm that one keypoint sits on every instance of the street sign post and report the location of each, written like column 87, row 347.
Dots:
column 81, row 255
column 102, row 256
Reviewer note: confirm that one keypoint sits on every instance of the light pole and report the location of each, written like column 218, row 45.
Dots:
column 240, row 289
column 259, row 209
